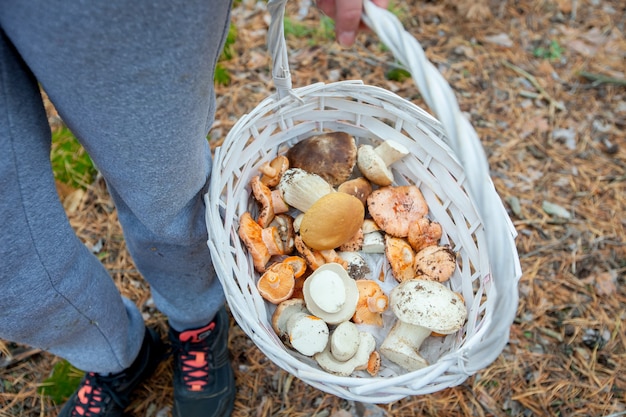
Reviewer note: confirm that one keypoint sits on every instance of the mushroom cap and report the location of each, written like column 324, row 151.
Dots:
column 360, row 360
column 307, row 334
column 331, row 155
column 331, row 221
column 394, row 208
column 359, row 187
column 251, row 235
column 424, row 232
column 301, row 189
column 428, row 304
column 277, row 283
column 273, row 170
column 284, row 226
column 263, row 196
column 330, row 293
column 435, row 263
column 372, row 302
column 373, row 167
column 284, row 310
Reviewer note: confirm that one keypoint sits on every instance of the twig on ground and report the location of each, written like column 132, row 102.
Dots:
column 554, row 104
column 601, row 79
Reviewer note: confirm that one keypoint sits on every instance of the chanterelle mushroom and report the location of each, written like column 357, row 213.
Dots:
column 301, row 189
column 331, row 221
column 332, row 156
column 331, row 294
column 421, row 307
column 298, row 328
column 374, row 162
column 394, row 208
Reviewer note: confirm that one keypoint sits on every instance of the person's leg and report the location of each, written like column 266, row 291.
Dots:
column 54, row 294
column 134, row 82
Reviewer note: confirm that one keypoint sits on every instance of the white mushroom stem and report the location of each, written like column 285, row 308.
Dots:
column 307, row 334
column 329, row 363
column 373, row 242
column 402, row 344
column 391, row 151
column 344, row 341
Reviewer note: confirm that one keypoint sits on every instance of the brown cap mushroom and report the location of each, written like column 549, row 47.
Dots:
column 401, row 258
column 394, row 208
column 332, row 156
column 273, row 170
column 331, row 221
column 424, row 232
column 435, row 263
column 359, row 187
column 277, row 282
column 374, row 162
column 261, row 243
column 372, row 303
column 300, row 189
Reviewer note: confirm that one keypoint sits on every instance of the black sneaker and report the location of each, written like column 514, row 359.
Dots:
column 204, row 382
column 109, row 395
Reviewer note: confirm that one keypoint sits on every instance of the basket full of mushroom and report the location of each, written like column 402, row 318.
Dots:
column 360, row 241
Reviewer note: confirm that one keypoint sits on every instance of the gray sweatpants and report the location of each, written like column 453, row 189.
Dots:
column 133, row 80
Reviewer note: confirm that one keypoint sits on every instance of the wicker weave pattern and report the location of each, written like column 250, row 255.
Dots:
column 446, row 171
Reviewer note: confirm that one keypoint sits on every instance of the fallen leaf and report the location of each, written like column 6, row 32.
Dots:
column 555, row 210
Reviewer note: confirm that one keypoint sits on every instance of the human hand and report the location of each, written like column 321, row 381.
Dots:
column 347, row 17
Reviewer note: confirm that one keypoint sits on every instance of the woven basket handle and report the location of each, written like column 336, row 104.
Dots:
column 440, row 98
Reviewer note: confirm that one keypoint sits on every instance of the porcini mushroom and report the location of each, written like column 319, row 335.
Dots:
column 401, row 258
column 277, row 283
column 331, row 155
column 435, row 263
column 359, row 187
column 360, row 360
column 374, row 162
column 298, row 328
column 273, row 170
column 421, row 307
column 344, row 341
column 424, row 232
column 372, row 303
column 262, row 243
column 394, row 208
column 300, row 189
column 331, row 221
column 331, row 294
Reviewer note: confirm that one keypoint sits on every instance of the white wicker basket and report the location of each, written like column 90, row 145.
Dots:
column 447, row 162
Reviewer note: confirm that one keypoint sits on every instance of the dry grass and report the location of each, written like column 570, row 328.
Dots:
column 550, row 134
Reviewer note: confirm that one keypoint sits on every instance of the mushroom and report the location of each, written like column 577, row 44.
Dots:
column 263, row 196
column 284, row 224
column 401, row 258
column 424, row 232
column 372, row 303
column 331, row 221
column 298, row 328
column 273, row 171
column 354, row 244
column 435, row 263
column 297, row 263
column 314, row 259
column 356, row 265
column 421, row 307
column 344, row 341
column 374, row 162
column 360, row 360
column 394, row 208
column 331, row 294
column 262, row 243
column 331, row 155
column 277, row 283
column 359, row 187
column 373, row 242
column 300, row 189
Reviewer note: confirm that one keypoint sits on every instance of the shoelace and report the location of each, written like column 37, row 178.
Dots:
column 93, row 396
column 195, row 354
